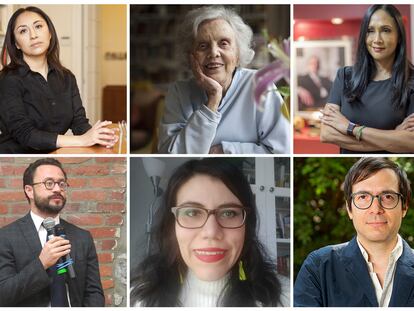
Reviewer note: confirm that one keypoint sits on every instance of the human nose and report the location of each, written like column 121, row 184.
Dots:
column 211, row 229
column 376, row 206
column 377, row 37
column 33, row 33
column 214, row 51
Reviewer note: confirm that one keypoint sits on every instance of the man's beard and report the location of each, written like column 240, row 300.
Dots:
column 44, row 205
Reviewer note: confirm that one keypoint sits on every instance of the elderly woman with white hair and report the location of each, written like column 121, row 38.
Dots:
column 214, row 112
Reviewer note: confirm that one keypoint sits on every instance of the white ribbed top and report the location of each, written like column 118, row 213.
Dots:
column 198, row 293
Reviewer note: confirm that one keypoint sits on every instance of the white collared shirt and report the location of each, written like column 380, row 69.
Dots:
column 41, row 231
column 384, row 293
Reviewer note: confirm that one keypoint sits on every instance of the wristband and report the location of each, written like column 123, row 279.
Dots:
column 358, row 134
column 350, row 128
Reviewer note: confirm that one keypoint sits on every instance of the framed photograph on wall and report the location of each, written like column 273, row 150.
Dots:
column 316, row 64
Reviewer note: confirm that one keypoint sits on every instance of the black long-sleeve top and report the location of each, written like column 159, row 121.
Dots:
column 33, row 111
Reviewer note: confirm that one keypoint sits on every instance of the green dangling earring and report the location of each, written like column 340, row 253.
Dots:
column 242, row 274
column 181, row 277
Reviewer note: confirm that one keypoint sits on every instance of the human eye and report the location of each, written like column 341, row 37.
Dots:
column 38, row 26
column 202, row 46
column 363, row 196
column 224, row 42
column 387, row 29
column 22, row 31
column 63, row 184
column 191, row 212
column 49, row 183
column 229, row 212
column 389, row 197
column 370, row 30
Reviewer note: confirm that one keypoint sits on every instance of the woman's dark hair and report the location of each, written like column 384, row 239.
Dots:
column 16, row 55
column 366, row 167
column 157, row 279
column 365, row 69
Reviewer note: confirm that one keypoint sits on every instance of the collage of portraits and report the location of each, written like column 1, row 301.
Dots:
column 212, row 154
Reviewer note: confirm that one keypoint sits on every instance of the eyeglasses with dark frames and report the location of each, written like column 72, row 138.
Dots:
column 50, row 184
column 194, row 217
column 388, row 200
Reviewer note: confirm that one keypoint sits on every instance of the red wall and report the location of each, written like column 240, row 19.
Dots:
column 314, row 21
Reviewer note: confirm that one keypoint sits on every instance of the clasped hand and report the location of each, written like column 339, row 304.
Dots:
column 100, row 134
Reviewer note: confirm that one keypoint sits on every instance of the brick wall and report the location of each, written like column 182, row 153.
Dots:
column 96, row 201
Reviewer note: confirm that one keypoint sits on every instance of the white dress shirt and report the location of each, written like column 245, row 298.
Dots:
column 41, row 231
column 383, row 293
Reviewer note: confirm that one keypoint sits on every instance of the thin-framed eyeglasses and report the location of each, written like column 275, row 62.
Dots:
column 388, row 200
column 50, row 184
column 194, row 217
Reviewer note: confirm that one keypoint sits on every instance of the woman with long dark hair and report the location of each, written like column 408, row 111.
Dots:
column 206, row 250
column 39, row 98
column 371, row 105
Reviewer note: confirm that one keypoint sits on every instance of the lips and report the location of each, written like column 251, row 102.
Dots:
column 377, row 49
column 377, row 223
column 35, row 45
column 56, row 197
column 213, row 66
column 210, row 255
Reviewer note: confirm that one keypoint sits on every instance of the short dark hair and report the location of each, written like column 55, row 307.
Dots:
column 156, row 280
column 366, row 167
column 31, row 169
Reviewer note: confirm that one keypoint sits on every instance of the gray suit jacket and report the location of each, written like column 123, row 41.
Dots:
column 23, row 280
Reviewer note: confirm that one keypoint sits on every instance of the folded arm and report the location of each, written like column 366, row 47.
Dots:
column 334, row 125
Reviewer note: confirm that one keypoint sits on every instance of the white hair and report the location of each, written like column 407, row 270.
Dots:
column 194, row 18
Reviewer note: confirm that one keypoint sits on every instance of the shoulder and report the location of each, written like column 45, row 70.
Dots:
column 246, row 73
column 327, row 253
column 344, row 72
column 11, row 78
column 13, row 229
column 75, row 230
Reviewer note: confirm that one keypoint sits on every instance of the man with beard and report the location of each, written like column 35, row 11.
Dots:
column 28, row 259
column 375, row 268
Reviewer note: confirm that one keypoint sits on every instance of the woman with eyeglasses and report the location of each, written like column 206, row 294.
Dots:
column 39, row 97
column 371, row 104
column 206, row 250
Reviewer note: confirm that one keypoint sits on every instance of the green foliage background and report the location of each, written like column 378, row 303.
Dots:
column 320, row 216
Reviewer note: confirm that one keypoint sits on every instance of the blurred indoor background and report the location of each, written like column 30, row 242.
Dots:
column 93, row 45
column 154, row 58
column 325, row 39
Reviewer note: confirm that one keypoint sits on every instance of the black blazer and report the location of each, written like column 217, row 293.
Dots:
column 23, row 280
column 338, row 276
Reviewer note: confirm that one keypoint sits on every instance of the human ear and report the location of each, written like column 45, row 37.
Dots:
column 29, row 191
column 349, row 211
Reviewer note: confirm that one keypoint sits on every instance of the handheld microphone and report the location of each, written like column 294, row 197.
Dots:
column 67, row 262
column 49, row 224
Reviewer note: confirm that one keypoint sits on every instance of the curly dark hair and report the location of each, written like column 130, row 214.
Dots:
column 156, row 280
